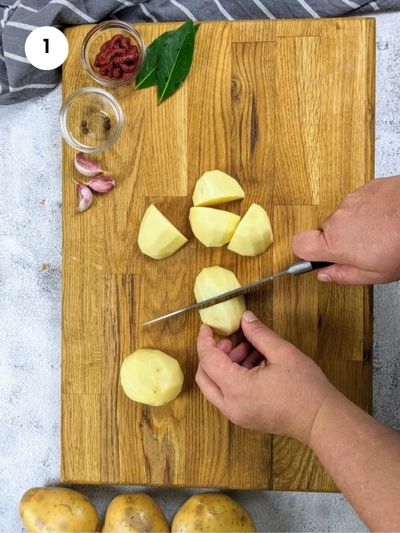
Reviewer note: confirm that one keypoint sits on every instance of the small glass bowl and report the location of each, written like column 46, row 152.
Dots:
column 102, row 33
column 91, row 120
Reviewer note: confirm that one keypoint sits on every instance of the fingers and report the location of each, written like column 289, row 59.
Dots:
column 210, row 390
column 253, row 359
column 225, row 345
column 205, row 339
column 214, row 362
column 238, row 354
column 312, row 246
column 268, row 343
column 347, row 275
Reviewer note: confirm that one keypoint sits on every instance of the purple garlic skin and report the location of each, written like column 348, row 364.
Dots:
column 85, row 197
column 87, row 167
column 101, row 184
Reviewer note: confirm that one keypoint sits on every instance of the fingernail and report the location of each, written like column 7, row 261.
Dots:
column 322, row 276
column 249, row 316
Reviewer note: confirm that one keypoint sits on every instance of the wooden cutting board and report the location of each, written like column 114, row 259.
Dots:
column 287, row 107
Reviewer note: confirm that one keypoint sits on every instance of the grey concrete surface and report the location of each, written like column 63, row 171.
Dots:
column 30, row 239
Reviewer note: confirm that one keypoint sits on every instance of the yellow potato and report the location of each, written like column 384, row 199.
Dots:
column 158, row 238
column 212, row 227
column 57, row 509
column 214, row 513
column 215, row 187
column 224, row 318
column 134, row 513
column 151, row 377
column 253, row 234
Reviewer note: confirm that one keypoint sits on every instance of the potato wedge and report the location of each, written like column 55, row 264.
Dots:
column 215, row 187
column 214, row 513
column 57, row 509
column 158, row 238
column 224, row 318
column 253, row 235
column 151, row 377
column 212, row 227
column 134, row 512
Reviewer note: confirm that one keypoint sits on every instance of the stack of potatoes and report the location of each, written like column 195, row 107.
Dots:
column 64, row 510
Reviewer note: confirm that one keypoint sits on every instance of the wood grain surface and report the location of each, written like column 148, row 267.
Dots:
column 287, row 107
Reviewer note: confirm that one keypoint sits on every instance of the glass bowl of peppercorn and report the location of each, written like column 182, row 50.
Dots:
column 113, row 53
column 91, row 120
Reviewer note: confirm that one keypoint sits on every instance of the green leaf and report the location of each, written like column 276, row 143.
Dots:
column 147, row 75
column 174, row 59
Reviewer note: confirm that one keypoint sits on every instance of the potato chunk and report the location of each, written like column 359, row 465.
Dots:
column 253, row 234
column 215, row 187
column 151, row 377
column 158, row 238
column 224, row 318
column 212, row 227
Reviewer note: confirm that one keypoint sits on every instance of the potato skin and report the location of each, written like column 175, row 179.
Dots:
column 213, row 512
column 57, row 509
column 134, row 513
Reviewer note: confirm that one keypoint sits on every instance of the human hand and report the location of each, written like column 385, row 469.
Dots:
column 362, row 236
column 269, row 385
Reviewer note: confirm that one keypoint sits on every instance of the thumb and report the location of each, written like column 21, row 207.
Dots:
column 261, row 337
column 312, row 246
column 348, row 275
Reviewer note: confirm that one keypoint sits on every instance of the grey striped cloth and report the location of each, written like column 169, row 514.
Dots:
column 20, row 81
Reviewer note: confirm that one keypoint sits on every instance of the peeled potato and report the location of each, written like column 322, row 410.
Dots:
column 151, row 377
column 215, row 187
column 253, row 234
column 224, row 318
column 57, row 509
column 212, row 512
column 212, row 227
column 134, row 513
column 158, row 238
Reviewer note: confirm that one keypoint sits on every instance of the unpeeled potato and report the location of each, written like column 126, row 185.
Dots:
column 57, row 509
column 134, row 513
column 212, row 512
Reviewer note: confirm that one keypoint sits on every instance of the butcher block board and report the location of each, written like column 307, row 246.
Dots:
column 287, row 107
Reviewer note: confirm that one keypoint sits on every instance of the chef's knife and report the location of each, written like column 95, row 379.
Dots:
column 301, row 267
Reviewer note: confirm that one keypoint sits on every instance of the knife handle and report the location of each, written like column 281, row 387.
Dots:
column 301, row 267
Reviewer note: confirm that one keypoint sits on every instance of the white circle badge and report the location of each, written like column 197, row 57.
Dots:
column 46, row 48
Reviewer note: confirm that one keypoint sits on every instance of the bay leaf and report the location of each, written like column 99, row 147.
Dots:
column 174, row 59
column 147, row 75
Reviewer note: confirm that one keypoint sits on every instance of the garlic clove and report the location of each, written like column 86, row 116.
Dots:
column 87, row 167
column 101, row 184
column 85, row 197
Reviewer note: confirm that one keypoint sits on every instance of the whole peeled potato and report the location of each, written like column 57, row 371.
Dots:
column 212, row 512
column 59, row 510
column 134, row 513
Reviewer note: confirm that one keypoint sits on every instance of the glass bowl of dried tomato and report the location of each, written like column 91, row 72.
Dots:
column 113, row 53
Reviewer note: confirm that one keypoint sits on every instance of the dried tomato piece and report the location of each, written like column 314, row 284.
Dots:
column 127, row 68
column 116, row 73
column 125, row 43
column 117, row 57
column 115, row 41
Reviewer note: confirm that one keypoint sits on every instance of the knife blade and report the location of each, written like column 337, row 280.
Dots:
column 301, row 267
